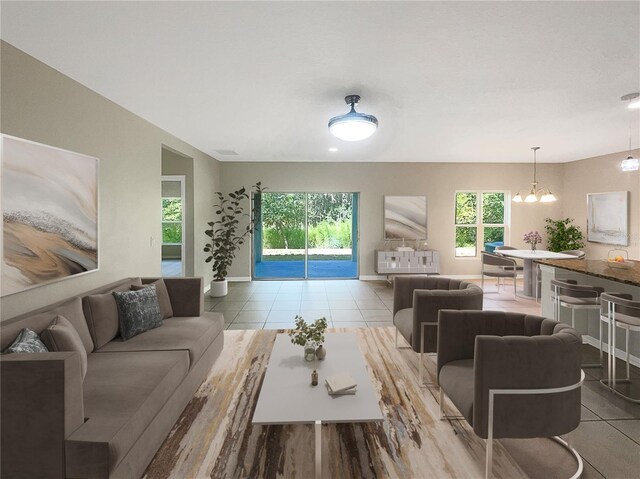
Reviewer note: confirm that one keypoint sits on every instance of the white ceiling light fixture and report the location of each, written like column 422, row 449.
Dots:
column 532, row 197
column 353, row 126
column 630, row 163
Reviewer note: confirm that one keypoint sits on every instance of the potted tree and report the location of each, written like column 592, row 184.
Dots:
column 226, row 235
column 563, row 235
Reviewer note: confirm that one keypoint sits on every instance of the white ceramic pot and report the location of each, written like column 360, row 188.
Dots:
column 218, row 288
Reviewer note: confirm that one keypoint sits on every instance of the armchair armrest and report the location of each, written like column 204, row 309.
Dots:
column 186, row 295
column 42, row 404
column 523, row 362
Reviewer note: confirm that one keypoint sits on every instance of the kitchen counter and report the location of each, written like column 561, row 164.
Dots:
column 599, row 268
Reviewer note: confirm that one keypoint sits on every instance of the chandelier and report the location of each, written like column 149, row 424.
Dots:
column 532, row 197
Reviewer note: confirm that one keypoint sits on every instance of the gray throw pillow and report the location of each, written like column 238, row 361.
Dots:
column 62, row 336
column 163, row 296
column 27, row 342
column 138, row 311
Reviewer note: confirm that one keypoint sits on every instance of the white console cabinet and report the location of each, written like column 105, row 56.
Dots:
column 408, row 262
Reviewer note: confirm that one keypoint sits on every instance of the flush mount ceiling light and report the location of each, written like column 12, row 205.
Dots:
column 545, row 195
column 633, row 99
column 630, row 163
column 353, row 126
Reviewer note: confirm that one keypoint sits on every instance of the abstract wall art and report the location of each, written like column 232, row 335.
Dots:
column 50, row 214
column 608, row 218
column 405, row 217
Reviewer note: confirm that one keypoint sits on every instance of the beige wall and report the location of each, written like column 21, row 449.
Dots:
column 41, row 104
column 176, row 164
column 438, row 181
column 599, row 175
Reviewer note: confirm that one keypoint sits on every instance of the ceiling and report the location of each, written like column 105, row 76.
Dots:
column 448, row 81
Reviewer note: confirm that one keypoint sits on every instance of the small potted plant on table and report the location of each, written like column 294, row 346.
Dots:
column 310, row 336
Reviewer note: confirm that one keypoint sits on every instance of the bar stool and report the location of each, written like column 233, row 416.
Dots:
column 568, row 294
column 622, row 312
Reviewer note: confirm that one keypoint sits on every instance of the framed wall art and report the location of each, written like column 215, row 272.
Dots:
column 608, row 218
column 49, row 212
column 405, row 217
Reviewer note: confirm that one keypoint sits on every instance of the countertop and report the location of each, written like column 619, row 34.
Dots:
column 599, row 268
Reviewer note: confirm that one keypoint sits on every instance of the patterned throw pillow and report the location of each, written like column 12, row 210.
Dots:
column 27, row 342
column 138, row 311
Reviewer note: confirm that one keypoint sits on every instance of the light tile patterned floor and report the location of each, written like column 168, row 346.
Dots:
column 344, row 303
column 608, row 437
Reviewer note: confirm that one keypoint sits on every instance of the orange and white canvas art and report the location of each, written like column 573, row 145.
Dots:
column 50, row 214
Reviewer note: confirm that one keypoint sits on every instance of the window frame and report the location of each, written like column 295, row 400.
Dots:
column 181, row 180
column 479, row 225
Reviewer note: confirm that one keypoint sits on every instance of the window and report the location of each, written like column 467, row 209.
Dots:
column 480, row 218
column 172, row 220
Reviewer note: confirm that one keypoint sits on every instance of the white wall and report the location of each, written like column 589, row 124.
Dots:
column 438, row 181
column 599, row 175
column 42, row 105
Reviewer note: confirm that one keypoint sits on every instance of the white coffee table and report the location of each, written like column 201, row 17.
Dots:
column 287, row 396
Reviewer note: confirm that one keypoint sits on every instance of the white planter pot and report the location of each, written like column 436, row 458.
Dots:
column 218, row 289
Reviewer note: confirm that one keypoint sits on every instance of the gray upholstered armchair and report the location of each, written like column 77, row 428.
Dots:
column 511, row 375
column 416, row 302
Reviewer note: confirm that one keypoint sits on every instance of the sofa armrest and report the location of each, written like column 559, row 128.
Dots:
column 457, row 331
column 523, row 362
column 186, row 295
column 42, row 404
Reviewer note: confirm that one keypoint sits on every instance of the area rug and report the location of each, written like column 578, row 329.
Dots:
column 214, row 436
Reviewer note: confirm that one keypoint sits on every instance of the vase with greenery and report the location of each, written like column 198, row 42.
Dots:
column 226, row 234
column 309, row 336
column 563, row 235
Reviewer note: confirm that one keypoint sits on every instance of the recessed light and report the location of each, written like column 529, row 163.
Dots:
column 333, row 149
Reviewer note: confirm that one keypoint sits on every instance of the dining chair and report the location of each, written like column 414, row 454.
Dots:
column 497, row 266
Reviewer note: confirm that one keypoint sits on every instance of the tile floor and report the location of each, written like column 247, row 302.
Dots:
column 608, row 437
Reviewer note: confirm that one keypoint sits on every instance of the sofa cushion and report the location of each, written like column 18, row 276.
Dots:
column 403, row 320
column 138, row 311
column 38, row 322
column 26, row 342
column 456, row 379
column 101, row 312
column 189, row 334
column 62, row 336
column 163, row 296
column 122, row 394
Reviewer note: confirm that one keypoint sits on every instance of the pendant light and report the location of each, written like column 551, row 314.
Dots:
column 630, row 163
column 532, row 197
column 353, row 126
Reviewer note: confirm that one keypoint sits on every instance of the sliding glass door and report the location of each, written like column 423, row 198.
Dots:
column 306, row 235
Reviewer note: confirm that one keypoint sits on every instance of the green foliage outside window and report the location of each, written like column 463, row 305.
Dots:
column 172, row 233
column 328, row 216
column 171, row 209
column 466, row 213
column 492, row 208
column 466, row 208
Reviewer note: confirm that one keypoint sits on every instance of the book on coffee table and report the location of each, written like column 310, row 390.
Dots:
column 340, row 393
column 340, row 382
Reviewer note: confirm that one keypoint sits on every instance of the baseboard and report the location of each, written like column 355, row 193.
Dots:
column 207, row 288
column 237, row 279
column 372, row 277
column 620, row 354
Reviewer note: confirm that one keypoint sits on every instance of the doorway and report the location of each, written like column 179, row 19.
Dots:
column 173, row 225
column 306, row 236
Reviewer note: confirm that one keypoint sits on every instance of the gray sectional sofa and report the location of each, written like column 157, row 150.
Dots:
column 109, row 425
